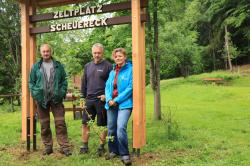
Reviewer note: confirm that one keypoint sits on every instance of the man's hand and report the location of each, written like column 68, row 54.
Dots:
column 101, row 97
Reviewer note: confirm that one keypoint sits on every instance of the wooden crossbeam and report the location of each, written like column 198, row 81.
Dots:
column 105, row 9
column 54, row 3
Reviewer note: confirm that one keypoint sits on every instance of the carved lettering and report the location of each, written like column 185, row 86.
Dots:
column 65, row 13
column 97, row 23
column 64, row 26
column 79, row 24
column 55, row 14
column 91, row 23
column 86, row 24
column 93, row 9
column 58, row 27
column 77, row 12
column 75, row 24
column 88, row 10
column 60, row 14
column 99, row 9
column 104, row 21
column 71, row 12
column 69, row 25
column 82, row 12
column 53, row 28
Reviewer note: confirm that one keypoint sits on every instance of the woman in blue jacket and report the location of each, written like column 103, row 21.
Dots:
column 119, row 104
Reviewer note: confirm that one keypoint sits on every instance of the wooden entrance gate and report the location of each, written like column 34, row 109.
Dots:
column 28, row 43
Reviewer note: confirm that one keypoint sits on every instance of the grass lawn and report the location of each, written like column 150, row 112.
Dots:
column 213, row 128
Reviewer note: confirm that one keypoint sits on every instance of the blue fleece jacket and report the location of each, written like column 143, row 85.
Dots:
column 124, row 87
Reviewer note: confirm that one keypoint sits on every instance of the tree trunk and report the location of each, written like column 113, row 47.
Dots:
column 156, row 72
column 227, row 50
column 152, row 73
column 150, row 46
column 157, row 103
column 154, row 58
column 214, row 60
column 210, row 42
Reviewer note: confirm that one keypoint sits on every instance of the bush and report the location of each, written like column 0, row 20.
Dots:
column 171, row 125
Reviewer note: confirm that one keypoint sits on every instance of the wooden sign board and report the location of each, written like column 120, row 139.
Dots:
column 84, row 23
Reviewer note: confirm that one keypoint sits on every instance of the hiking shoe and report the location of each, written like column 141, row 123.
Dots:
column 47, row 151
column 111, row 155
column 100, row 151
column 126, row 162
column 66, row 152
column 84, row 150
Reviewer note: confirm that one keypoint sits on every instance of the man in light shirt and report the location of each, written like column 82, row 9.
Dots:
column 48, row 87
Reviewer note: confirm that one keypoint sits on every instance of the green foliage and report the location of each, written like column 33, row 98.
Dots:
column 178, row 39
column 10, row 47
column 171, row 125
column 119, row 36
column 180, row 49
column 217, row 14
column 67, row 48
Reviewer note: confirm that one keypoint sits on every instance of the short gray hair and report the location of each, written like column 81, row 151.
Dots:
column 46, row 44
column 98, row 45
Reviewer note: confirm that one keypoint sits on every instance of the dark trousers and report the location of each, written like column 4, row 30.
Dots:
column 60, row 125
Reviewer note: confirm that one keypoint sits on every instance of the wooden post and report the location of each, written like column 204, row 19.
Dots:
column 143, row 70
column 25, row 44
column 32, row 11
column 138, row 55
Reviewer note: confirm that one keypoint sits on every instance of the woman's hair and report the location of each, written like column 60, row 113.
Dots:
column 121, row 50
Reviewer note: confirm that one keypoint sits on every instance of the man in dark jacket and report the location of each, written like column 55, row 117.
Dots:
column 94, row 78
column 48, row 87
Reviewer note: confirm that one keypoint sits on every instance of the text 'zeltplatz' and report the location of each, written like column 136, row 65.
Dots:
column 78, row 12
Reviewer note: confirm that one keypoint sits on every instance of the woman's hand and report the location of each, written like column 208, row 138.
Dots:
column 112, row 103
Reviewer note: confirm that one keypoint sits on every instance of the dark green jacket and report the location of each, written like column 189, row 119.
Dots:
column 36, row 82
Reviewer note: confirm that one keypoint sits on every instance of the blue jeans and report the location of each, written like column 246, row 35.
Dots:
column 117, row 131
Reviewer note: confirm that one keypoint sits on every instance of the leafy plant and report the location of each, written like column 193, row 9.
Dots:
column 171, row 125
